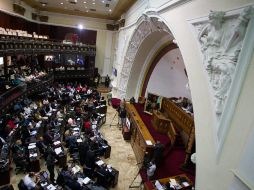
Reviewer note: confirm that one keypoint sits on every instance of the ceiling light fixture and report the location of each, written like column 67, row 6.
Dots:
column 103, row 1
column 110, row 10
column 80, row 26
column 61, row 3
column 93, row 3
column 84, row 2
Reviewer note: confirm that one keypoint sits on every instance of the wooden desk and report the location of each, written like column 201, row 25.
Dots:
column 149, row 185
column 139, row 134
column 160, row 123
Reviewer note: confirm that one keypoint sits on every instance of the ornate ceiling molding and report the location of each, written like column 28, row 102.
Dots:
column 146, row 25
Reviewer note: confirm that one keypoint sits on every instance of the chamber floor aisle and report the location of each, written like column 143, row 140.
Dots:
column 122, row 156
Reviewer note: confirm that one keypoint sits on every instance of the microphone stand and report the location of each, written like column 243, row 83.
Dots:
column 140, row 184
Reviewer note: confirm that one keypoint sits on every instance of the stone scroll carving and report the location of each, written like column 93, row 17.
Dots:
column 147, row 25
column 221, row 42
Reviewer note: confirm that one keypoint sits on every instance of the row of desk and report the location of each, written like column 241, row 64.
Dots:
column 141, row 139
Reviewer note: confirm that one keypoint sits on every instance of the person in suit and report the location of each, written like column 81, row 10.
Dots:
column 83, row 148
column 90, row 159
column 122, row 115
column 50, row 162
column 158, row 153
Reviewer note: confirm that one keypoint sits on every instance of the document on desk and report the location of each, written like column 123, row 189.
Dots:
column 86, row 180
column 158, row 185
column 173, row 182
column 31, row 146
column 33, row 155
column 75, row 169
column 58, row 150
column 57, row 143
column 51, row 187
column 185, row 184
column 100, row 162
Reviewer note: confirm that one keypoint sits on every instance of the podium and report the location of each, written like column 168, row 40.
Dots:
column 160, row 123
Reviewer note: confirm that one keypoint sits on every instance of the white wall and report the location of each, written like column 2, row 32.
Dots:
column 168, row 78
column 103, row 52
column 211, row 173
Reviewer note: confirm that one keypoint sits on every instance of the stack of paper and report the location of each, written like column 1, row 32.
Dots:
column 51, row 187
column 33, row 155
column 31, row 146
column 57, row 143
column 58, row 150
column 158, row 185
column 100, row 162
column 75, row 169
column 86, row 180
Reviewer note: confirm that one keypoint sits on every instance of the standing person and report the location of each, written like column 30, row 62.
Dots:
column 122, row 116
column 107, row 81
column 158, row 153
column 50, row 162
column 109, row 97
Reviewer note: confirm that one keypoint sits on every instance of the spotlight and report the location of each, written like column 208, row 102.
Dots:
column 80, row 26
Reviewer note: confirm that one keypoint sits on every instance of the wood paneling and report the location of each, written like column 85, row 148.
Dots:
column 139, row 134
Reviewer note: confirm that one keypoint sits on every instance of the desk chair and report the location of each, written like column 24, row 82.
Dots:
column 75, row 158
column 21, row 185
column 103, row 180
column 21, row 166
column 88, row 172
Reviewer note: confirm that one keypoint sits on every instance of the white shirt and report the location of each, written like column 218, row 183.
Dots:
column 29, row 183
column 151, row 170
column 70, row 121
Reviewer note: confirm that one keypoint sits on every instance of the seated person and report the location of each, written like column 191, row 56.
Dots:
column 63, row 176
column 29, row 181
column 90, row 159
column 150, row 170
column 73, row 184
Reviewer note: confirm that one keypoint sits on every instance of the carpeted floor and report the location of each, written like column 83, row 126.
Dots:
column 173, row 160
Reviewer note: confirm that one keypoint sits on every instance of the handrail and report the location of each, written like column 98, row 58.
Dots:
column 19, row 90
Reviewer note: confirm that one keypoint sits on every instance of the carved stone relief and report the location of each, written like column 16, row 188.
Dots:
column 147, row 26
column 221, row 42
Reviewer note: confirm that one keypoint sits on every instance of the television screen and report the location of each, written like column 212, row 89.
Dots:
column 1, row 60
column 80, row 60
column 49, row 58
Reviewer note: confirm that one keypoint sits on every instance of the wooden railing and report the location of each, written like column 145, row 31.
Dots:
column 140, row 136
column 13, row 44
column 182, row 119
column 10, row 97
column 184, row 122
